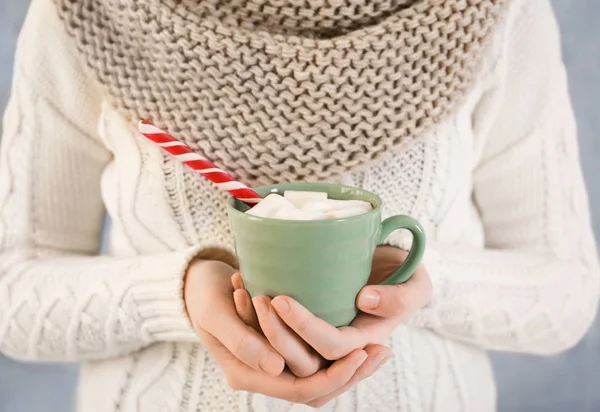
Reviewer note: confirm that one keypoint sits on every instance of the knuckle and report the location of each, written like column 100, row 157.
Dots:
column 247, row 350
column 333, row 353
column 303, row 324
column 273, row 335
column 398, row 301
column 362, row 375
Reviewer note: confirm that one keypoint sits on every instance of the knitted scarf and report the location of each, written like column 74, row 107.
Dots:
column 285, row 90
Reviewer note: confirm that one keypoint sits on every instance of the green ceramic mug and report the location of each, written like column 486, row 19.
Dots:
column 322, row 264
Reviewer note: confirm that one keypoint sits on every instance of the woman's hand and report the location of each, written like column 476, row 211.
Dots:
column 299, row 357
column 208, row 299
column 383, row 309
column 393, row 301
column 246, row 358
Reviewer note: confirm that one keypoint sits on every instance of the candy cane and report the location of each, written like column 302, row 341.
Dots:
column 199, row 163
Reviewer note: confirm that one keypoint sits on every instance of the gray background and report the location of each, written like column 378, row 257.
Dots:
column 568, row 382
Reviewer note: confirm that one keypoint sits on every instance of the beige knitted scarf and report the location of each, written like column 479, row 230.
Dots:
column 283, row 90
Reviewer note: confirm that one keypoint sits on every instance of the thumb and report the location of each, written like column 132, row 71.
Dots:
column 384, row 301
column 396, row 300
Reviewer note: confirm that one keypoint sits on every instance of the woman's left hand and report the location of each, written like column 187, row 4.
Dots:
column 383, row 308
column 305, row 340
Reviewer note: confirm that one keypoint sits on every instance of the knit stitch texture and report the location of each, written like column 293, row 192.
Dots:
column 285, row 90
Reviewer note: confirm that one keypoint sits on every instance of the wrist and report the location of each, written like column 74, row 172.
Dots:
column 218, row 254
column 198, row 265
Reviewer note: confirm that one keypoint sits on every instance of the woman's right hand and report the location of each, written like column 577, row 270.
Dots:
column 209, row 303
column 246, row 358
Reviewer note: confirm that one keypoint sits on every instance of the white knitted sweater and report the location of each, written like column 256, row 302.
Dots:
column 497, row 186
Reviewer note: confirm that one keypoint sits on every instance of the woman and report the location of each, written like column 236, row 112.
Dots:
column 455, row 112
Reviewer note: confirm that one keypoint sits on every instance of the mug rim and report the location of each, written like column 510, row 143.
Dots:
column 377, row 209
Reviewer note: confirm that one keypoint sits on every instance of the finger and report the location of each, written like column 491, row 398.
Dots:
column 300, row 358
column 286, row 386
column 237, row 282
column 244, row 308
column 396, row 300
column 378, row 356
column 244, row 342
column 243, row 303
column 304, row 390
column 248, row 346
column 330, row 342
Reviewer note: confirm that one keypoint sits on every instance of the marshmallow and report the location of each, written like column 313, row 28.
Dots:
column 351, row 203
column 331, row 204
column 318, row 205
column 296, row 205
column 299, row 198
column 298, row 214
column 270, row 205
column 345, row 212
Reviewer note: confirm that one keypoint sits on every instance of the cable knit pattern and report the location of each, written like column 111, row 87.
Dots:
column 496, row 184
column 285, row 90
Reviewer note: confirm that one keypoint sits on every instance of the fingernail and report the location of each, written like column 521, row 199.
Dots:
column 380, row 359
column 240, row 302
column 369, row 299
column 241, row 280
column 281, row 306
column 363, row 357
column 268, row 363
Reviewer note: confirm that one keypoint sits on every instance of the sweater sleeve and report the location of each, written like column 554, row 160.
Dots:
column 534, row 287
column 60, row 300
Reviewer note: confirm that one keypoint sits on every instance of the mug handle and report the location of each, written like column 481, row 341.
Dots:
column 391, row 224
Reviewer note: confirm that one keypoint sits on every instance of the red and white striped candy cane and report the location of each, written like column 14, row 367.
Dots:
column 199, row 163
